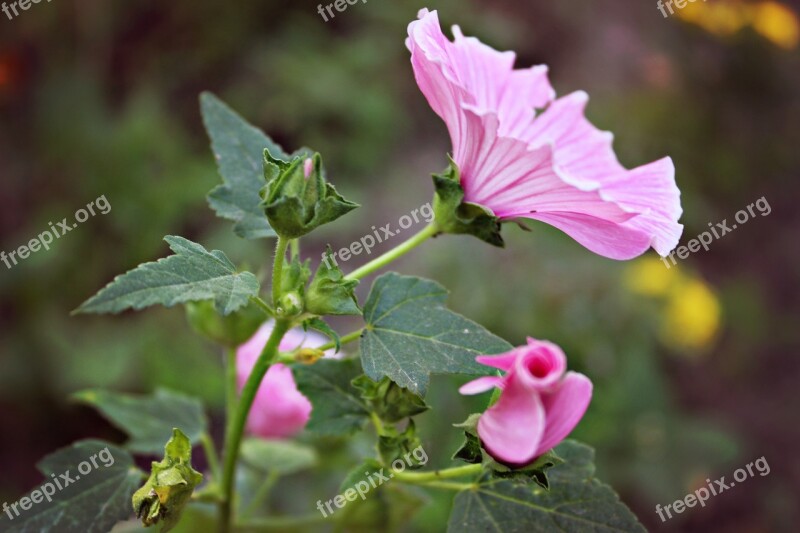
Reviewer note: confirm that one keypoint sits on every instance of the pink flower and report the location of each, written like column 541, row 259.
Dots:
column 279, row 410
column 523, row 153
column 539, row 404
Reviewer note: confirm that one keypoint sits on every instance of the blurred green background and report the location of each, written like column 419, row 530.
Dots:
column 695, row 367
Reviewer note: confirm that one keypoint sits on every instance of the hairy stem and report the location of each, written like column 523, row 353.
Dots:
column 277, row 269
column 379, row 262
column 236, row 425
column 436, row 475
column 350, row 337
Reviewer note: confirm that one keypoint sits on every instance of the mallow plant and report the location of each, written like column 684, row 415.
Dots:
column 518, row 152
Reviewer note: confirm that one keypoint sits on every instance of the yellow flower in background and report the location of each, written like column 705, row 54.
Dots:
column 773, row 20
column 777, row 23
column 648, row 276
column 691, row 315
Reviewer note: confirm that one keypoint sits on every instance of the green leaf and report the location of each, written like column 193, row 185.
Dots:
column 329, row 293
column 148, row 420
column 239, row 150
column 454, row 215
column 169, row 488
column 576, row 502
column 192, row 274
column 281, row 457
column 90, row 503
column 410, row 334
column 337, row 405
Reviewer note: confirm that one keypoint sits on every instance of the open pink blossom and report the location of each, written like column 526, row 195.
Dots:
column 539, row 405
column 279, row 409
column 522, row 153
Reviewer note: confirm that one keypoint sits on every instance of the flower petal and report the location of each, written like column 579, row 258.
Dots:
column 564, row 407
column 477, row 386
column 541, row 364
column 503, row 361
column 512, row 429
column 280, row 410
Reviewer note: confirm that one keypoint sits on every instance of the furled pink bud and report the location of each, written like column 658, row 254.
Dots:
column 539, row 404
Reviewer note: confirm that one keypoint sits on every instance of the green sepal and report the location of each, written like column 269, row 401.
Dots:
column 472, row 452
column 231, row 330
column 296, row 205
column 388, row 400
column 295, row 276
column 168, row 490
column 329, row 292
column 454, row 215
column 394, row 444
column 323, row 327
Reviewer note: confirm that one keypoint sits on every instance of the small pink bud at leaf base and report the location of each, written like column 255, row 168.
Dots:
column 308, row 167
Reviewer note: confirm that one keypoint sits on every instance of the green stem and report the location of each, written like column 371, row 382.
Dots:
column 211, row 455
column 236, row 425
column 448, row 485
column 350, row 337
column 294, row 245
column 279, row 523
column 231, row 385
column 263, row 305
column 277, row 269
column 379, row 262
column 260, row 496
column 436, row 475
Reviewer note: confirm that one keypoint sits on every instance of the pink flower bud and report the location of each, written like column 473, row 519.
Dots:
column 280, row 410
column 539, row 405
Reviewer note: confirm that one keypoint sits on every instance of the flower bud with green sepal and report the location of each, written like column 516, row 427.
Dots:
column 297, row 197
column 472, row 452
column 231, row 330
column 329, row 292
column 454, row 215
column 391, row 402
column 168, row 490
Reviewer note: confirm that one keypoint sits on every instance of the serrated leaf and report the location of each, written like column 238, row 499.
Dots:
column 576, row 502
column 92, row 503
column 411, row 335
column 281, row 457
column 149, row 420
column 239, row 150
column 337, row 405
column 192, row 274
